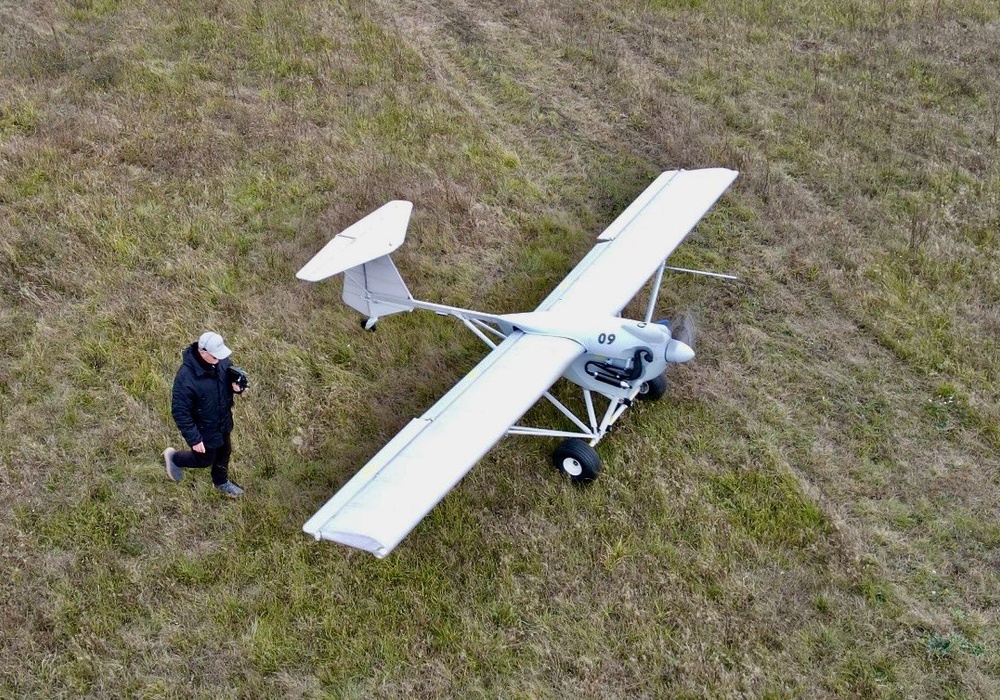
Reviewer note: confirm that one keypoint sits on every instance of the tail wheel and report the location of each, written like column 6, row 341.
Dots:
column 653, row 390
column 578, row 460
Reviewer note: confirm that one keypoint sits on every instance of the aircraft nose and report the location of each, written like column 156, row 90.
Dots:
column 678, row 352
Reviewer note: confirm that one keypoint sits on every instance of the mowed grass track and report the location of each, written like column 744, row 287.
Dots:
column 811, row 512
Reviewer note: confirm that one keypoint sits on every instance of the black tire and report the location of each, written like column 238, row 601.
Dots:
column 653, row 390
column 578, row 460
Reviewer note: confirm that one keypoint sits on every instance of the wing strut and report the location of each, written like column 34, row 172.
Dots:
column 656, row 292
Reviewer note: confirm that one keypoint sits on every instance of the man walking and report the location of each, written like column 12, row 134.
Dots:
column 202, row 406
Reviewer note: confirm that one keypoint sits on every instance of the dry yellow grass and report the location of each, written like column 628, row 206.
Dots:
column 811, row 513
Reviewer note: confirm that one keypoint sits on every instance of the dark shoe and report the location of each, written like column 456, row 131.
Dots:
column 230, row 489
column 174, row 473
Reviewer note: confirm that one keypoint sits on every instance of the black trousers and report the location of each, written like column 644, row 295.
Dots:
column 215, row 457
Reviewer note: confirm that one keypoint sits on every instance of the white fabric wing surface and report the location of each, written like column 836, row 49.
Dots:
column 635, row 244
column 416, row 469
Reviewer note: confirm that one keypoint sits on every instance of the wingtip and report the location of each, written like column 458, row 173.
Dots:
column 307, row 277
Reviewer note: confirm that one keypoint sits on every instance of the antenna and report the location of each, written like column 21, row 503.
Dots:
column 718, row 275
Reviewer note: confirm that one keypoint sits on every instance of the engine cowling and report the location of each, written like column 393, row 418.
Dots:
column 619, row 354
column 611, row 337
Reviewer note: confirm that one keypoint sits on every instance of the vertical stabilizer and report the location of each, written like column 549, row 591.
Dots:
column 376, row 288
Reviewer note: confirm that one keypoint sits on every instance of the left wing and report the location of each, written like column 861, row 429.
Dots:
column 638, row 241
column 392, row 493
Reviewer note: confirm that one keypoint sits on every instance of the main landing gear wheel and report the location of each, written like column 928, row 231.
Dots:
column 653, row 390
column 577, row 459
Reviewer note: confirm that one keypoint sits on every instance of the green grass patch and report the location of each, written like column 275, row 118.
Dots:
column 767, row 507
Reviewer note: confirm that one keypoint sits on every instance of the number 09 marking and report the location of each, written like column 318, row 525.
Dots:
column 606, row 338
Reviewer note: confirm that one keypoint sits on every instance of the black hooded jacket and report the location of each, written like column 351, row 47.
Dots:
column 202, row 403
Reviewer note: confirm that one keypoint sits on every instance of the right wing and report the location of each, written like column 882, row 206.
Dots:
column 386, row 499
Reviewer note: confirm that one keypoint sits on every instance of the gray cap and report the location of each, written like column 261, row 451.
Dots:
column 213, row 344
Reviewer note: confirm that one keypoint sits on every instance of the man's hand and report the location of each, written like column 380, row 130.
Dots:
column 236, row 388
column 200, row 447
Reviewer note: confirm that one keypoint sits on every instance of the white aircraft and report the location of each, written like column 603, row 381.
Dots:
column 576, row 333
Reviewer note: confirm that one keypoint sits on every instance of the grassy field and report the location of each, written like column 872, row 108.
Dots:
column 812, row 511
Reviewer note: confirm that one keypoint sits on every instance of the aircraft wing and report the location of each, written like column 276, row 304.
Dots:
column 393, row 492
column 632, row 248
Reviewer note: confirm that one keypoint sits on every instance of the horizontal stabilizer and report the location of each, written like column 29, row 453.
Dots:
column 378, row 234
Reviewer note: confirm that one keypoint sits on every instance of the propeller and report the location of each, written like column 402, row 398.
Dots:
column 683, row 330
